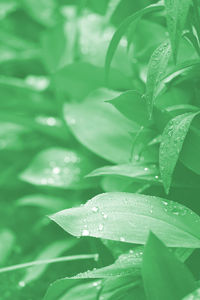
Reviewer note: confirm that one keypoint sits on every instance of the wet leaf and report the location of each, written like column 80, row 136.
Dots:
column 176, row 14
column 58, row 167
column 156, row 69
column 122, row 30
column 128, row 217
column 164, row 276
column 171, row 144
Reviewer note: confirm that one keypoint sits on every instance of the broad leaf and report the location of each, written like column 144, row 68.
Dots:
column 58, row 167
column 132, row 105
column 171, row 144
column 102, row 129
column 156, row 69
column 128, row 217
column 176, row 14
column 164, row 276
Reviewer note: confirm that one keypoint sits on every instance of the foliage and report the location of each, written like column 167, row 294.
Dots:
column 99, row 147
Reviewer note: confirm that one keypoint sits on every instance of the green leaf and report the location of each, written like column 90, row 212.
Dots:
column 51, row 251
column 79, row 79
column 193, row 296
column 156, row 70
column 49, row 203
column 58, row 167
column 7, row 241
column 63, row 289
column 126, row 264
column 128, row 217
column 122, row 30
column 138, row 171
column 164, row 276
column 102, row 129
column 176, row 14
column 132, row 105
column 171, row 144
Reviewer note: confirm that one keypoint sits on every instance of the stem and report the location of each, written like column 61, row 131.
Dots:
column 48, row 261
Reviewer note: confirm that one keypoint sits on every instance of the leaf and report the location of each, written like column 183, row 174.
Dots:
column 147, row 172
column 51, row 251
column 126, row 264
column 43, row 11
column 102, row 129
column 156, row 70
column 171, row 144
column 47, row 202
column 131, row 104
column 77, row 80
column 164, row 276
column 194, row 295
column 7, row 240
column 176, row 14
column 122, row 29
column 58, row 167
column 128, row 217
column 64, row 289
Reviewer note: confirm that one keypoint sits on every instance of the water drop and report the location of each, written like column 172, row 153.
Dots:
column 156, row 177
column 22, row 284
column 146, row 169
column 122, row 239
column 85, row 232
column 56, row 170
column 100, row 227
column 95, row 209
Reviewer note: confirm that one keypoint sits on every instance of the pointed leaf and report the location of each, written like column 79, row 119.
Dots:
column 128, row 217
column 122, row 30
column 164, row 276
column 132, row 105
column 52, row 251
column 176, row 14
column 156, row 70
column 171, row 144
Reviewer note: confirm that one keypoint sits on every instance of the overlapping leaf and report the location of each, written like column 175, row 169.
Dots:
column 172, row 141
column 171, row 279
column 128, row 217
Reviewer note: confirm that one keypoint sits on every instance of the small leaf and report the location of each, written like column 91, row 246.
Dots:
column 193, row 296
column 128, row 217
column 164, row 276
column 50, row 203
column 122, row 29
column 176, row 14
column 147, row 172
column 156, row 70
column 171, row 144
column 7, row 240
column 52, row 251
column 66, row 288
column 102, row 129
column 58, row 167
column 132, row 106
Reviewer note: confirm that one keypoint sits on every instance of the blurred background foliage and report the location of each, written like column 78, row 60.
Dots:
column 55, row 128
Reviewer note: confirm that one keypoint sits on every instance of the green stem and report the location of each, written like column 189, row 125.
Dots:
column 48, row 261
